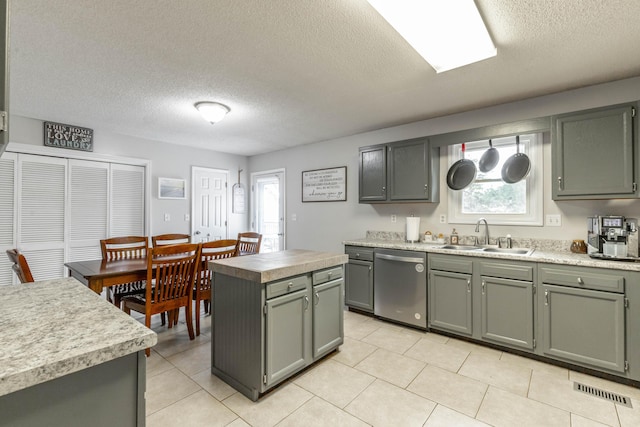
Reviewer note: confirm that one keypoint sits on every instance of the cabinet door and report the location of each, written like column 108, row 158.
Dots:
column 507, row 312
column 584, row 326
column 409, row 170
column 359, row 285
column 593, row 154
column 287, row 335
column 328, row 327
column 450, row 302
column 373, row 174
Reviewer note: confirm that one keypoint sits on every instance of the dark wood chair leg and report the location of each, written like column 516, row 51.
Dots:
column 189, row 320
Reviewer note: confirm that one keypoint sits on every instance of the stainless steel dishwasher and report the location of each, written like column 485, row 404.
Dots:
column 400, row 286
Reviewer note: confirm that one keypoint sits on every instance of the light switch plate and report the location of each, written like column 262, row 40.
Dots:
column 394, row 218
column 553, row 221
column 167, row 217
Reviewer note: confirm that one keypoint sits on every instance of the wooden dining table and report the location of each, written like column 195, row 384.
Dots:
column 98, row 274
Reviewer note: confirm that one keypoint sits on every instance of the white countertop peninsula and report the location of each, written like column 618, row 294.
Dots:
column 267, row 267
column 60, row 341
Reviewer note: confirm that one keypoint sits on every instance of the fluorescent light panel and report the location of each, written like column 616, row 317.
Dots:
column 447, row 33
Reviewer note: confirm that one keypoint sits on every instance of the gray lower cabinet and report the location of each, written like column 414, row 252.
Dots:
column 507, row 312
column 450, row 302
column 583, row 316
column 328, row 326
column 359, row 278
column 583, row 140
column 264, row 333
column 287, row 335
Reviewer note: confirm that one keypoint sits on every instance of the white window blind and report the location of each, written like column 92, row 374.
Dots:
column 88, row 208
column 7, row 209
column 41, row 214
column 127, row 200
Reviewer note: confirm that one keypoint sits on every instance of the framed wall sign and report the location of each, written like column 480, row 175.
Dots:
column 72, row 137
column 170, row 188
column 325, row 185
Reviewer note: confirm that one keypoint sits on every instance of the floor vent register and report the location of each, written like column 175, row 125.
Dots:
column 603, row 394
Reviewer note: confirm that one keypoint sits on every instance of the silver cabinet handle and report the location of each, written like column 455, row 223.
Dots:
column 426, row 188
column 370, row 268
column 546, row 297
column 483, row 286
column 580, row 281
column 317, row 298
column 306, row 303
column 468, row 285
column 290, row 285
column 559, row 183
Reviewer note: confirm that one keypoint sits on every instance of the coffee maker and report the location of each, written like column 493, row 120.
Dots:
column 612, row 236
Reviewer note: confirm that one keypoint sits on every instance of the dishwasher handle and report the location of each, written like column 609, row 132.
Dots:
column 412, row 260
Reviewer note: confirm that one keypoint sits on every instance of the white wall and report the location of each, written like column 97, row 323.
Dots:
column 323, row 226
column 167, row 160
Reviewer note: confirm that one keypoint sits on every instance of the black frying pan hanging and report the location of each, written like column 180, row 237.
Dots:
column 461, row 173
column 489, row 159
column 516, row 167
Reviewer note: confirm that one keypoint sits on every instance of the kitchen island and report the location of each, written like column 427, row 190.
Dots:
column 68, row 357
column 273, row 315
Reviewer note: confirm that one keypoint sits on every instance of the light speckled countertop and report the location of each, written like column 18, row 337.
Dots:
column 554, row 257
column 52, row 328
column 263, row 268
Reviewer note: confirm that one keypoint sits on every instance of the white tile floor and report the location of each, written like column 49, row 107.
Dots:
column 383, row 375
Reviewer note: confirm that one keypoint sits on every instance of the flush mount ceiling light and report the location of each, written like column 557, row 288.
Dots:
column 212, row 112
column 448, row 34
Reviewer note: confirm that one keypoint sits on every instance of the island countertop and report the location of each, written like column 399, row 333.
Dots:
column 267, row 267
column 52, row 328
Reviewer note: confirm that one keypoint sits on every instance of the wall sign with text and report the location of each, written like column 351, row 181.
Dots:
column 325, row 185
column 68, row 136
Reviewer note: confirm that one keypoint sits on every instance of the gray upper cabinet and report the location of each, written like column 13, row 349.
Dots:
column 594, row 153
column 402, row 171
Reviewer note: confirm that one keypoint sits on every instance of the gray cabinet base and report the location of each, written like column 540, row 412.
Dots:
column 109, row 394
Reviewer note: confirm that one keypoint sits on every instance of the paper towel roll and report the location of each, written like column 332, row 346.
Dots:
column 413, row 229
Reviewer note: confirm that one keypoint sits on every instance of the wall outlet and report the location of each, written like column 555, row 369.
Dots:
column 187, row 217
column 394, row 218
column 443, row 219
column 167, row 217
column 294, row 217
column 553, row 221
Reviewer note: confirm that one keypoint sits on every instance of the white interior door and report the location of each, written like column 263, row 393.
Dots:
column 268, row 209
column 209, row 204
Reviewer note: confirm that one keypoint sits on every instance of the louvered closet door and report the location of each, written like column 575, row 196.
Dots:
column 88, row 208
column 7, row 217
column 41, row 214
column 127, row 200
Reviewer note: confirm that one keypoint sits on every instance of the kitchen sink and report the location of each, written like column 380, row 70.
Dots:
column 513, row 251
column 461, row 247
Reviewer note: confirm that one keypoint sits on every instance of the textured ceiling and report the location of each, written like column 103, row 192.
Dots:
column 293, row 72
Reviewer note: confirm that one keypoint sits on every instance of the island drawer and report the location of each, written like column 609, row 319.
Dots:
column 450, row 263
column 359, row 252
column 507, row 270
column 582, row 277
column 327, row 275
column 282, row 287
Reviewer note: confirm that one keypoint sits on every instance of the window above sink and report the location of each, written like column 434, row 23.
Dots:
column 490, row 197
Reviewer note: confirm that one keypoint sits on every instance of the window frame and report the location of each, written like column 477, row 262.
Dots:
column 534, row 185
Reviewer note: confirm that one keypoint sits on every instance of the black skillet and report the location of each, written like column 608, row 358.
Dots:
column 461, row 173
column 489, row 159
column 516, row 167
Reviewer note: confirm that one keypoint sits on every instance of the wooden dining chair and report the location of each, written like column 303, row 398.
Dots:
column 121, row 248
column 248, row 243
column 172, row 269
column 169, row 239
column 217, row 249
column 20, row 266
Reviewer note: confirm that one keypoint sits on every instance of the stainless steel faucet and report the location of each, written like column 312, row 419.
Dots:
column 486, row 229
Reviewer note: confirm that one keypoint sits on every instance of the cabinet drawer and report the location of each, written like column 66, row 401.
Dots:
column 450, row 263
column 282, row 287
column 359, row 252
column 507, row 270
column 327, row 275
column 586, row 278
